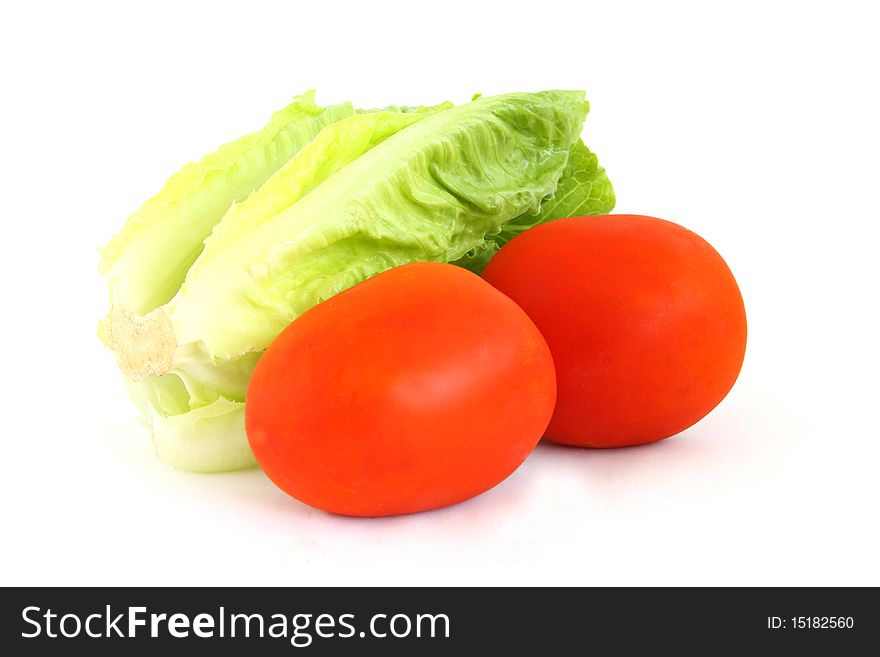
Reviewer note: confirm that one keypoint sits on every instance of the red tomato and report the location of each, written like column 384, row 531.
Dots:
column 420, row 387
column 644, row 320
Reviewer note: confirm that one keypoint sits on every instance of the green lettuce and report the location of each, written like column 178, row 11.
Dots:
column 192, row 402
column 430, row 192
column 146, row 262
column 370, row 191
column 583, row 189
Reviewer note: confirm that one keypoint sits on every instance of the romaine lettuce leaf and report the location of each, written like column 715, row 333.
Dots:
column 194, row 410
column 583, row 189
column 147, row 260
column 206, row 439
column 433, row 191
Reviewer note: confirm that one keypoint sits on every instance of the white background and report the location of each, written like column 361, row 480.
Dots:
column 755, row 125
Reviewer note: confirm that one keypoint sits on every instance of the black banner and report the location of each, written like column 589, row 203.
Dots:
column 334, row 621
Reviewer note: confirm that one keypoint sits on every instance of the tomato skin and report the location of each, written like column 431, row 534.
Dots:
column 644, row 319
column 418, row 388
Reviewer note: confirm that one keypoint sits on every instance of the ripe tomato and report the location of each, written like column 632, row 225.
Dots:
column 420, row 387
column 644, row 319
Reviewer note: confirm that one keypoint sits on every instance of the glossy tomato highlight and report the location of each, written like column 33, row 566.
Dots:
column 644, row 319
column 418, row 388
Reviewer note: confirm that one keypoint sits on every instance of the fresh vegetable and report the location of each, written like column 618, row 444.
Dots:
column 352, row 194
column 583, row 189
column 431, row 192
column 644, row 319
column 147, row 260
column 419, row 388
